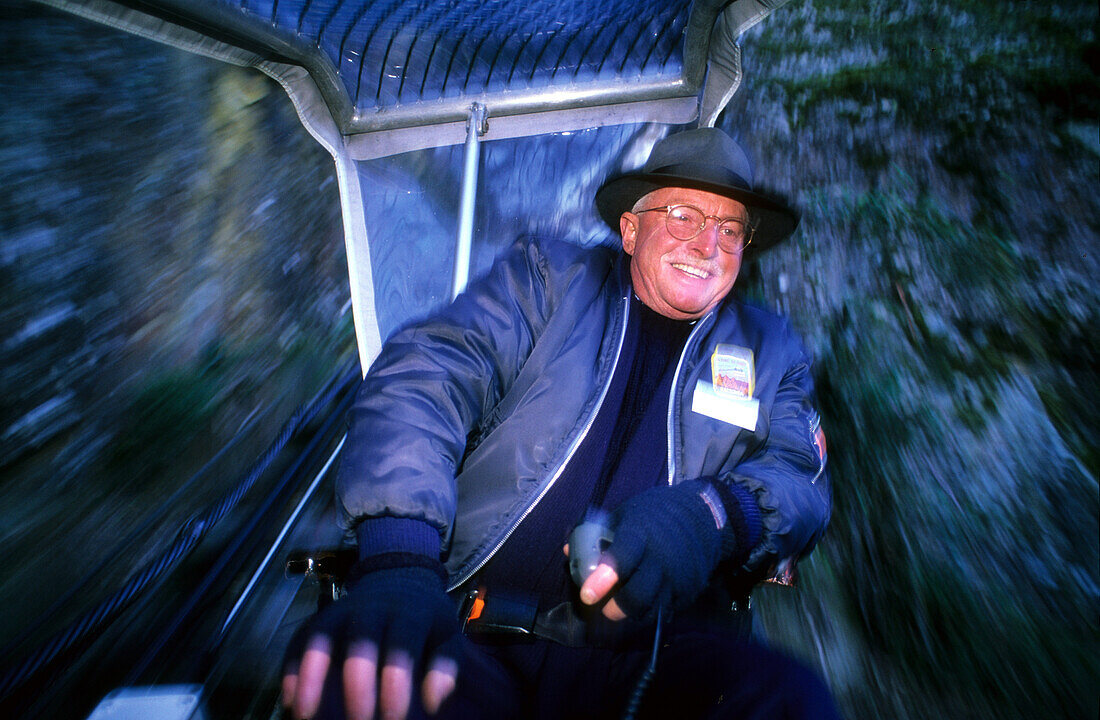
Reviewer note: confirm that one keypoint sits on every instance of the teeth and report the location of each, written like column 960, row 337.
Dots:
column 702, row 274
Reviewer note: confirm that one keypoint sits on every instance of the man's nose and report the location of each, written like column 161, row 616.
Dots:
column 706, row 242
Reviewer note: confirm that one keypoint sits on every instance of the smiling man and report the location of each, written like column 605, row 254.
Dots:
column 682, row 266
column 622, row 391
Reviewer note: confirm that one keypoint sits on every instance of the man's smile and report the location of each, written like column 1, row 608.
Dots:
column 692, row 270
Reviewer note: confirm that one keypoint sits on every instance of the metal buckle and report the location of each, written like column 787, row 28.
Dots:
column 506, row 618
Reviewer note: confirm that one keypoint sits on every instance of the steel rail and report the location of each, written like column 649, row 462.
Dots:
column 278, row 541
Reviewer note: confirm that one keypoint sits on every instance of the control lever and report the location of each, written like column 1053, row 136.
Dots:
column 587, row 543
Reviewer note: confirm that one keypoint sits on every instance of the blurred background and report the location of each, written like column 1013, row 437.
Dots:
column 174, row 285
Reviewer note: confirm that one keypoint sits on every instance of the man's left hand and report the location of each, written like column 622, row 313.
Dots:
column 602, row 580
column 668, row 541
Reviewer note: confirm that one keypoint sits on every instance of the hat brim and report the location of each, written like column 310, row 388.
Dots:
column 774, row 220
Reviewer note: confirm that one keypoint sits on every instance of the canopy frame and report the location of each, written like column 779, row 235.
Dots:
column 710, row 75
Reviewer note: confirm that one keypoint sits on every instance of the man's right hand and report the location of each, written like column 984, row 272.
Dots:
column 399, row 614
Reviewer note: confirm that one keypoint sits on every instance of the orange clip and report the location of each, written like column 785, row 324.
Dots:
column 475, row 610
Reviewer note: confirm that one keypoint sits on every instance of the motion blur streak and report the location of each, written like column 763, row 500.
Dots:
column 173, row 274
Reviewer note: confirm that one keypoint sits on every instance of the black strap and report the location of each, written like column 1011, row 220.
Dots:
column 504, row 618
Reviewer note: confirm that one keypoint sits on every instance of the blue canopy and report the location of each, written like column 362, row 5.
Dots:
column 373, row 78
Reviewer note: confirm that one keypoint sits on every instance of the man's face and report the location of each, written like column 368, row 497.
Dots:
column 681, row 279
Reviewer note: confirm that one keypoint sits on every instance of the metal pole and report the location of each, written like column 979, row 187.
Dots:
column 475, row 128
column 279, row 540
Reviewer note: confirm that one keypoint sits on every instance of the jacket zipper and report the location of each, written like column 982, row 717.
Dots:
column 569, row 456
column 673, row 395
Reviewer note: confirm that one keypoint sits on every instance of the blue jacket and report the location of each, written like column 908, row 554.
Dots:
column 465, row 420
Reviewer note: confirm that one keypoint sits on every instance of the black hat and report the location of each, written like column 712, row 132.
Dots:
column 702, row 159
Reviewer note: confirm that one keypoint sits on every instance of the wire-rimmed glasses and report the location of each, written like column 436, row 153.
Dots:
column 686, row 221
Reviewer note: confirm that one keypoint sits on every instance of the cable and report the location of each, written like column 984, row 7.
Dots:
column 202, row 590
column 306, row 497
column 124, row 545
column 189, row 535
column 636, row 696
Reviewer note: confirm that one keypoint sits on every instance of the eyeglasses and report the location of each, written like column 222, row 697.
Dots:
column 686, row 221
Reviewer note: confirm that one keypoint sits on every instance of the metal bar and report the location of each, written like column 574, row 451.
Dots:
column 475, row 128
column 671, row 111
column 700, row 23
column 279, row 540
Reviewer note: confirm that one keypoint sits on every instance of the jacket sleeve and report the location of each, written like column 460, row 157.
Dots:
column 429, row 388
column 786, row 474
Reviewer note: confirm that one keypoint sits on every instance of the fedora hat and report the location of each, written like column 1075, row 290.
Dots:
column 701, row 159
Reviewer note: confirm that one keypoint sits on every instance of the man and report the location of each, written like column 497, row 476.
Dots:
column 574, row 384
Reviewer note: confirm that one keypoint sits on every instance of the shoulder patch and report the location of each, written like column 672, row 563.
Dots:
column 819, row 443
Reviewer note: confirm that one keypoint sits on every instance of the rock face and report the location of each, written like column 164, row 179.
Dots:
column 945, row 157
column 172, row 273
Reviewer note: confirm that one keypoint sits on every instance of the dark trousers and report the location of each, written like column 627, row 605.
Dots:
column 699, row 676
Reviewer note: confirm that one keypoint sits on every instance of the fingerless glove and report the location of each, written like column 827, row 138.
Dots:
column 667, row 542
column 398, row 601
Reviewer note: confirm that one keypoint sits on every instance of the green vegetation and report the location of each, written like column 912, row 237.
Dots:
column 960, row 64
column 167, row 412
column 945, row 276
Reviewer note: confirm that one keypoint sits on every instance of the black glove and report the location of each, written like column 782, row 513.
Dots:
column 397, row 606
column 667, row 542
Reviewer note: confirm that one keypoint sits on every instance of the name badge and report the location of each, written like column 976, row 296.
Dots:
column 732, row 371
column 738, row 411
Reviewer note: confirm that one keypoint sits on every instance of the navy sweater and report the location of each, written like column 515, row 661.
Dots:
column 623, row 453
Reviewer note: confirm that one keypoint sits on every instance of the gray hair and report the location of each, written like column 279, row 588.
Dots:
column 642, row 202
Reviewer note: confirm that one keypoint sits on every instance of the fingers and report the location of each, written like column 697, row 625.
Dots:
column 305, row 693
column 598, row 584
column 360, row 687
column 396, row 686
column 612, row 611
column 289, row 688
column 364, row 688
column 374, row 686
column 292, row 661
column 439, row 683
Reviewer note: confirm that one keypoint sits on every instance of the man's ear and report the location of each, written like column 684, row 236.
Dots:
column 628, row 228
